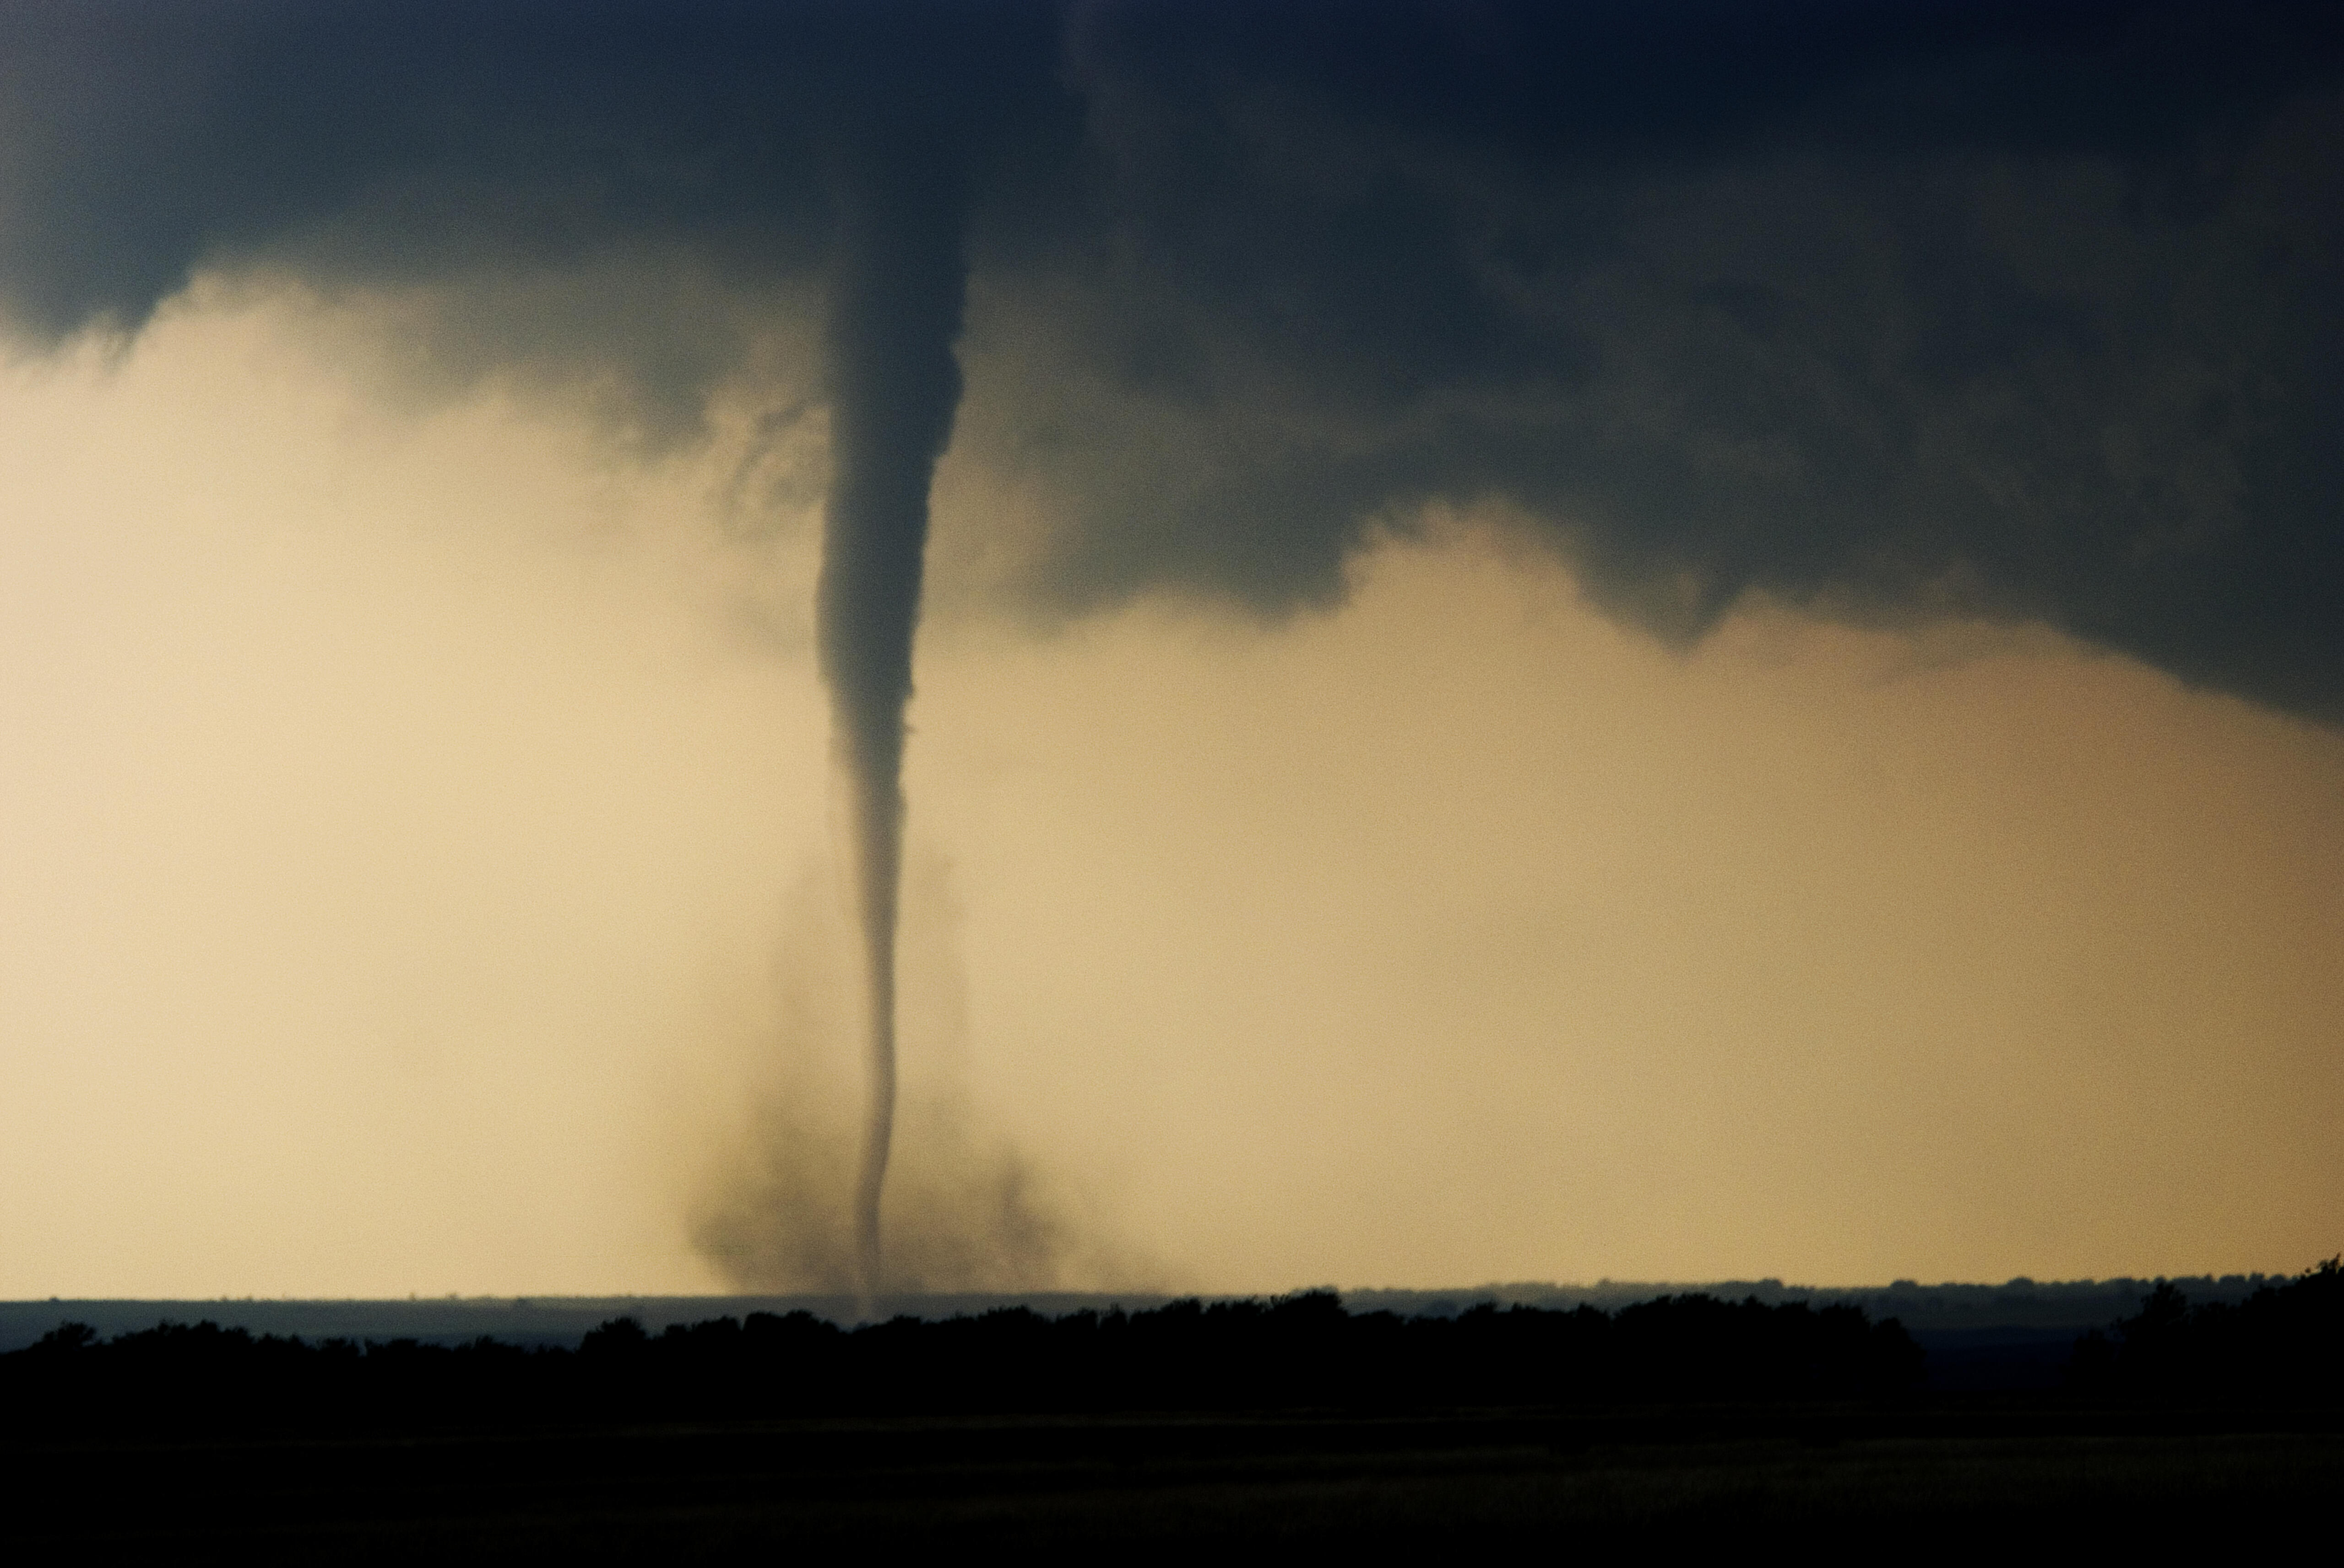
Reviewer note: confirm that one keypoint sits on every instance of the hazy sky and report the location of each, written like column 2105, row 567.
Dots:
column 1665, row 642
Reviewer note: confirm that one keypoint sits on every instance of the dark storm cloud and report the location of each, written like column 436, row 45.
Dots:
column 2027, row 310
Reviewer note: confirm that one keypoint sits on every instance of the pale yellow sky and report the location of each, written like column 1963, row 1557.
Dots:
column 413, row 835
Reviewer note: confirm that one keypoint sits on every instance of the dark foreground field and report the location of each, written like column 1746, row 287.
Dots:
column 1931, row 1478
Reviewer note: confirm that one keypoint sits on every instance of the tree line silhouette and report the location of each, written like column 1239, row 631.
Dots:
column 1296, row 1352
column 2284, row 1343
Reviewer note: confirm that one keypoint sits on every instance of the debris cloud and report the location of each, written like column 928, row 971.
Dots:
column 970, row 1206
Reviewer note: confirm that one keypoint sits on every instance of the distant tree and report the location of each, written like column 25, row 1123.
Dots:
column 2283, row 1343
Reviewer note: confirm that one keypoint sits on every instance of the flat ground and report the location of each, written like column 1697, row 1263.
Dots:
column 1923, row 1480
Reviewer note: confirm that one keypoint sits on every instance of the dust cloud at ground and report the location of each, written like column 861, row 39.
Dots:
column 966, row 1209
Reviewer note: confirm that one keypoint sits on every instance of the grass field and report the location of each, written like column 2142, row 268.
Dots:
column 1922, row 1481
